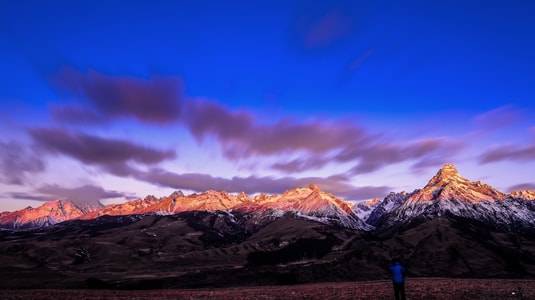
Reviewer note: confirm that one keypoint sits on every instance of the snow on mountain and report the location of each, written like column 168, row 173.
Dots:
column 525, row 195
column 448, row 184
column 310, row 202
column 448, row 193
column 210, row 200
column 127, row 208
column 314, row 203
column 391, row 202
column 365, row 208
column 48, row 214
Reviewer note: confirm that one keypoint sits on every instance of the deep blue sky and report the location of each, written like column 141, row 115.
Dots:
column 351, row 94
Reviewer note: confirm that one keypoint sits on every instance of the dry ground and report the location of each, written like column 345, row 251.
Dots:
column 417, row 288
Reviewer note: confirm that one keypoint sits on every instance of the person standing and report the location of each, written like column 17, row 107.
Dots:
column 398, row 279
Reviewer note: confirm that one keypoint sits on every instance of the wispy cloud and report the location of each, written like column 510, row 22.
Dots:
column 522, row 187
column 253, row 184
column 365, row 192
column 27, row 196
column 157, row 100
column 355, row 64
column 94, row 150
column 318, row 142
column 241, row 135
column 376, row 156
column 498, row 118
column 76, row 115
column 17, row 161
column 300, row 164
column 510, row 152
column 333, row 26
column 83, row 195
column 322, row 24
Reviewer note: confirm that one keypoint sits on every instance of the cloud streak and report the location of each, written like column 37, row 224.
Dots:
column 17, row 162
column 156, row 101
column 241, row 136
column 522, row 187
column 498, row 118
column 253, row 184
column 322, row 24
column 239, row 133
column 76, row 115
column 96, row 150
column 84, row 195
column 379, row 155
column 508, row 153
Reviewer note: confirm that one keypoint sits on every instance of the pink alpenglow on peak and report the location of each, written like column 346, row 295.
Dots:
column 449, row 194
column 48, row 214
column 526, row 195
column 447, row 184
column 309, row 202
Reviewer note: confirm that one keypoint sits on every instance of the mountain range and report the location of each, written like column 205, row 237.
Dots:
column 310, row 202
column 451, row 227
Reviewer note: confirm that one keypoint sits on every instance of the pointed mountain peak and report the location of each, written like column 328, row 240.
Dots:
column 449, row 168
column 447, row 184
column 446, row 174
column 314, row 187
column 177, row 194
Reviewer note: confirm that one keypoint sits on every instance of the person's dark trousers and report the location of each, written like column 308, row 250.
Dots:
column 399, row 290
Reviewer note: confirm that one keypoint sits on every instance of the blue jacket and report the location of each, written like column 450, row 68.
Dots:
column 398, row 272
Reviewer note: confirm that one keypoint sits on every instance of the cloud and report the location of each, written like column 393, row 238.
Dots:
column 16, row 162
column 209, row 118
column 522, row 187
column 299, row 165
column 330, row 28
column 240, row 134
column 96, row 150
column 156, row 101
column 319, row 143
column 355, row 64
column 508, row 152
column 377, row 156
column 498, row 118
column 321, row 24
column 27, row 196
column 365, row 192
column 337, row 185
column 78, row 115
column 84, row 195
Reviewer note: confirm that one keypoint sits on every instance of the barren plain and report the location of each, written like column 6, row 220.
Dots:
column 417, row 288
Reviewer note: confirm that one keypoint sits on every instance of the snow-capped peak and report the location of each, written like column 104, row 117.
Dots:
column 448, row 193
column 447, row 184
column 445, row 175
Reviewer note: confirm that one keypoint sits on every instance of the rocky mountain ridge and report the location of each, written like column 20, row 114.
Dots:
column 309, row 202
column 446, row 193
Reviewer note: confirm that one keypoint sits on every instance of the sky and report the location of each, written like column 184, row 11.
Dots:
column 109, row 101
